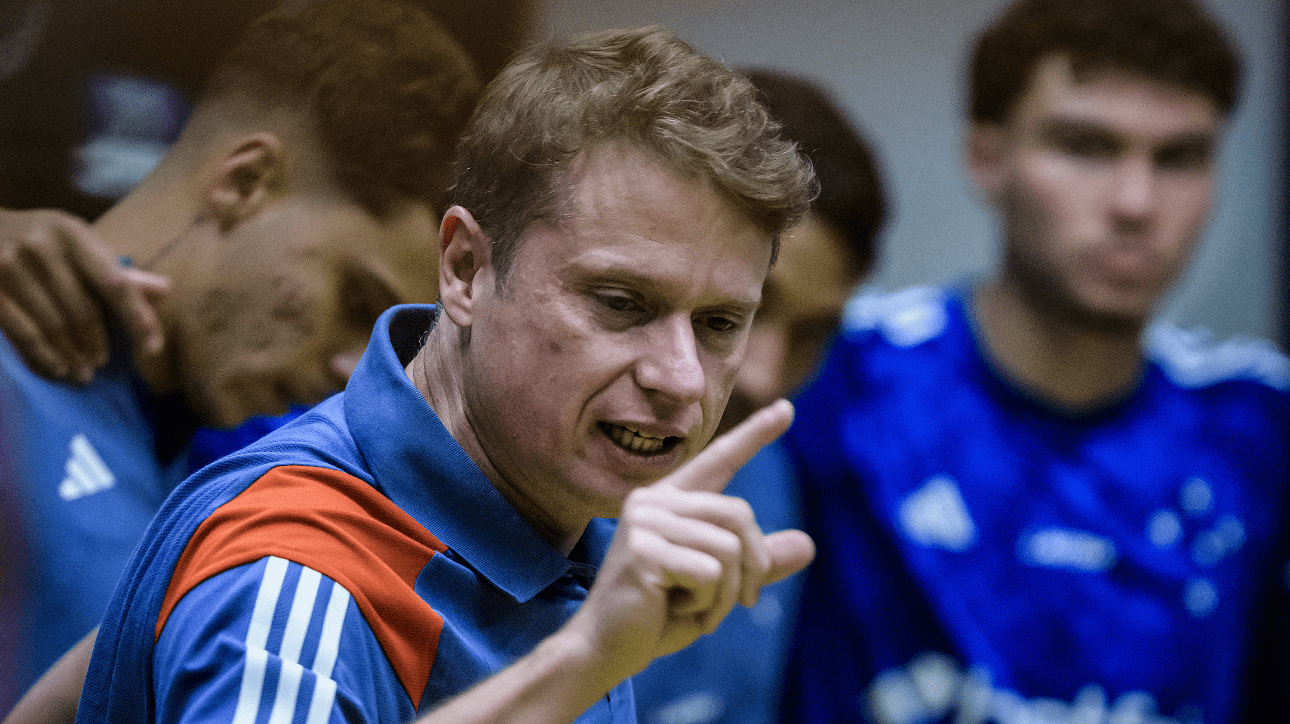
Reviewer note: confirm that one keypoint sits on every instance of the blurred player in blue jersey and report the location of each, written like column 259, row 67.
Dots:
column 298, row 204
column 93, row 95
column 734, row 674
column 1031, row 502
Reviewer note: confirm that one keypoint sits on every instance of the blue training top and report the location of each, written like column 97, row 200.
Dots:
column 353, row 564
column 84, row 469
column 986, row 558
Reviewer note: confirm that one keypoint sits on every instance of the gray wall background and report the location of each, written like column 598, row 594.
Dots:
column 897, row 67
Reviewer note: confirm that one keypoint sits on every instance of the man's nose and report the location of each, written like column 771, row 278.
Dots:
column 670, row 364
column 1134, row 192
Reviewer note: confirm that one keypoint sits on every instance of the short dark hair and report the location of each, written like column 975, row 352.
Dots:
column 851, row 195
column 644, row 87
column 1173, row 42
column 387, row 91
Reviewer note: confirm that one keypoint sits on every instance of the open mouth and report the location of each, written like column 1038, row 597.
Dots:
column 638, row 442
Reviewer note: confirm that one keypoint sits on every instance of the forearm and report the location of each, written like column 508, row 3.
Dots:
column 53, row 699
column 555, row 683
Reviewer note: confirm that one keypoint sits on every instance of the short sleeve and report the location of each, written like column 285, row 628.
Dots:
column 273, row 641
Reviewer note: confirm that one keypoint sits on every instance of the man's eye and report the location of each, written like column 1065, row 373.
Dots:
column 1184, row 157
column 719, row 324
column 618, row 302
column 1088, row 146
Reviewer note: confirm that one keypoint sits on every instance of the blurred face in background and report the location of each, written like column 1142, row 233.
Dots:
column 1103, row 184
column 282, row 313
column 802, row 304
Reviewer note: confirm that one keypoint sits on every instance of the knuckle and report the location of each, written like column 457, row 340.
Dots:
column 39, row 239
column 709, row 570
column 637, row 497
column 637, row 543
column 31, row 244
column 728, row 545
column 741, row 508
column 736, row 511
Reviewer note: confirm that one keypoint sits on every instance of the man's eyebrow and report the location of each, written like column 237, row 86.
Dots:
column 1065, row 125
column 1199, row 139
column 746, row 306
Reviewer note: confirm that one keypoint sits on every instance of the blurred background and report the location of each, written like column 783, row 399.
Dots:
column 111, row 80
column 898, row 67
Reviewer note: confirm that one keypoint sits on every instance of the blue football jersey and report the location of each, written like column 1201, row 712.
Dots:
column 84, row 469
column 984, row 557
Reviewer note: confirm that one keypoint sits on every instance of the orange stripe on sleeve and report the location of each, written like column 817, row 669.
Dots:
column 342, row 527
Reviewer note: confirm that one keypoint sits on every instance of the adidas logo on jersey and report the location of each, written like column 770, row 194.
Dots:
column 86, row 471
column 936, row 516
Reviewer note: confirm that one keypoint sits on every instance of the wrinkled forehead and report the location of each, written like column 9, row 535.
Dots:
column 572, row 176
column 629, row 214
column 613, row 177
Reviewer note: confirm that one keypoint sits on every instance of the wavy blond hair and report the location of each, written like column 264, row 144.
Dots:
column 645, row 87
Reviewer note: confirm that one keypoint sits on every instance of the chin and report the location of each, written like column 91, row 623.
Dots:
column 605, row 498
column 1114, row 319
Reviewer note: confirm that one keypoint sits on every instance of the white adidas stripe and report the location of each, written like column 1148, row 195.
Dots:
column 329, row 642
column 284, row 703
column 293, row 640
column 325, row 659
column 257, row 636
column 320, row 705
column 257, row 660
column 302, row 608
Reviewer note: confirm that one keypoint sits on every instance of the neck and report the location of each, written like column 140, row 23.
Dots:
column 145, row 223
column 435, row 373
column 145, row 226
column 1072, row 365
column 438, row 372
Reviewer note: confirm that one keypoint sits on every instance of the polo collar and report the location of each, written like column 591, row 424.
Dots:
column 422, row 469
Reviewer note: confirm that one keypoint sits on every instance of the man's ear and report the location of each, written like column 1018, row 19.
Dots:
column 465, row 263
column 246, row 179
column 987, row 158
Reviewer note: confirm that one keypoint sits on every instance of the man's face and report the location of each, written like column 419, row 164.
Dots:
column 801, row 309
column 1104, row 184
column 286, row 302
column 607, row 360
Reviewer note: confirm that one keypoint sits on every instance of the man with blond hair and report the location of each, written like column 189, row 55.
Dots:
column 431, row 540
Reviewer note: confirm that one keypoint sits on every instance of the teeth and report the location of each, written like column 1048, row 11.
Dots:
column 634, row 440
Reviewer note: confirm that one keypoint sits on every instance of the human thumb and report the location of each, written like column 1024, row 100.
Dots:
column 790, row 551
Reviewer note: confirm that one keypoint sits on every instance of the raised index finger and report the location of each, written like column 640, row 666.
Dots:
column 712, row 469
